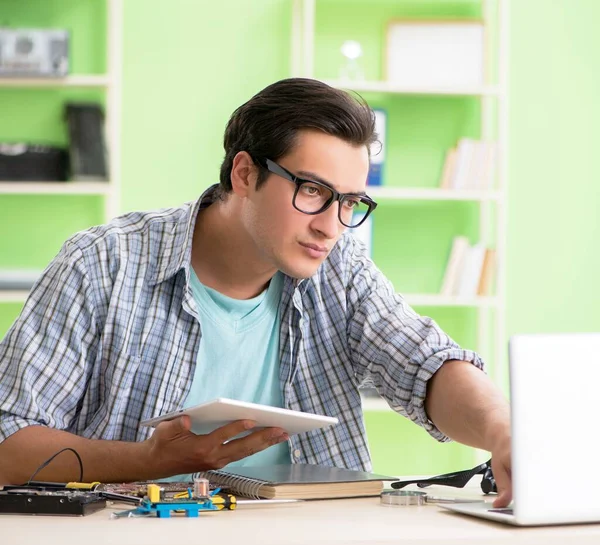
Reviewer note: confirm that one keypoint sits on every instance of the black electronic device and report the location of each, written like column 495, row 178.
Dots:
column 32, row 162
column 26, row 501
column 87, row 146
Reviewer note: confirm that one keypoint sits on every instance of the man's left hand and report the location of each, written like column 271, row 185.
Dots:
column 502, row 470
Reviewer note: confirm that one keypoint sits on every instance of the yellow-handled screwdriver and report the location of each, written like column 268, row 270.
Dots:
column 224, row 501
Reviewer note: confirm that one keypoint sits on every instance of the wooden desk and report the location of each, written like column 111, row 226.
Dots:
column 321, row 522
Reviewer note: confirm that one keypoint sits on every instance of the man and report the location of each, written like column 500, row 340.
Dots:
column 255, row 292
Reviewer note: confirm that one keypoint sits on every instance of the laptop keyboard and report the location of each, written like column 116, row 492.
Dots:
column 503, row 511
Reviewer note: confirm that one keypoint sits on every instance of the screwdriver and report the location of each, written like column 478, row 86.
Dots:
column 224, row 501
column 228, row 502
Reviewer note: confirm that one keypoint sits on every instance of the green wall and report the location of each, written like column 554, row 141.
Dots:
column 188, row 64
column 553, row 258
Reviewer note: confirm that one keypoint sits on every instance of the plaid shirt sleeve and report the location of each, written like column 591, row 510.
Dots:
column 391, row 345
column 46, row 356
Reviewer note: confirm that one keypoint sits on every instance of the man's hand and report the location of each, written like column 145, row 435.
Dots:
column 174, row 449
column 502, row 470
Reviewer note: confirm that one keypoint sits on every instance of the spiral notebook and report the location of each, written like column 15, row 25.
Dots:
column 298, row 481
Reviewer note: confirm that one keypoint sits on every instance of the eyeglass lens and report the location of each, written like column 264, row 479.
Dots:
column 313, row 198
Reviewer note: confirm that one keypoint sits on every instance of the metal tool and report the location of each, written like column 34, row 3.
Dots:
column 402, row 498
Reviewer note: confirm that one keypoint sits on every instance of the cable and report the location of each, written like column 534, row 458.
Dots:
column 52, row 458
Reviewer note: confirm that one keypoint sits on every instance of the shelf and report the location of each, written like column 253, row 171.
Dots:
column 93, row 80
column 13, row 296
column 436, row 300
column 431, row 194
column 400, row 89
column 371, row 403
column 55, row 188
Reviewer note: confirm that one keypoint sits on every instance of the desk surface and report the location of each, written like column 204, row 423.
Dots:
column 352, row 521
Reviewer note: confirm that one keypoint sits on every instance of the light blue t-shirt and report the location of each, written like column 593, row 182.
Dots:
column 238, row 357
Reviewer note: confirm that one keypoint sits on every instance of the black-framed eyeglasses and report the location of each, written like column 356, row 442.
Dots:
column 312, row 198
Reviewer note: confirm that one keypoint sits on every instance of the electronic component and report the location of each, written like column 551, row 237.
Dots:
column 32, row 162
column 139, row 489
column 26, row 501
column 201, row 487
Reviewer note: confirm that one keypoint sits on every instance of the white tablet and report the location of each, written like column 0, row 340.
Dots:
column 211, row 415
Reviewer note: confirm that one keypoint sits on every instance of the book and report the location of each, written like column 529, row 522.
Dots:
column 448, row 169
column 458, row 253
column 471, row 165
column 297, row 481
column 487, row 273
column 471, row 273
column 490, row 162
column 478, row 159
column 377, row 151
column 465, row 152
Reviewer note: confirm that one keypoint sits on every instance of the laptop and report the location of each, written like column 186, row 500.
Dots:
column 555, row 416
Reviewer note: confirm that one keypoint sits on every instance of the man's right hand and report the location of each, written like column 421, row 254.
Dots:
column 174, row 449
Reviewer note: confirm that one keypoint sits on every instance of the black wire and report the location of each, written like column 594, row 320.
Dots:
column 52, row 458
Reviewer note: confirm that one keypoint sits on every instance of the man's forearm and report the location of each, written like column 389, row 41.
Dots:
column 106, row 461
column 465, row 405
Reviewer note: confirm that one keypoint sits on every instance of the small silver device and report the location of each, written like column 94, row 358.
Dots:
column 34, row 52
column 402, row 498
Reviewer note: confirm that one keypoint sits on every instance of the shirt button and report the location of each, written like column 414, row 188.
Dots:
column 297, row 453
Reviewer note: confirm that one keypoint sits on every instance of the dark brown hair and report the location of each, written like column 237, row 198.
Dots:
column 267, row 125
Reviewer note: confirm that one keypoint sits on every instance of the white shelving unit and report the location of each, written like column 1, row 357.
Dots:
column 13, row 296
column 427, row 194
column 374, row 404
column 435, row 300
column 55, row 188
column 494, row 126
column 81, row 80
column 389, row 87
column 111, row 83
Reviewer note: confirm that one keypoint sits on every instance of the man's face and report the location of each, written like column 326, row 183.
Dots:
column 291, row 241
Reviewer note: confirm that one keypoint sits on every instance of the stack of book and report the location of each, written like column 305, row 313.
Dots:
column 469, row 165
column 470, row 269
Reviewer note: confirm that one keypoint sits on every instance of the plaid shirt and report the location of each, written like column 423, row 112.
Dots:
column 109, row 337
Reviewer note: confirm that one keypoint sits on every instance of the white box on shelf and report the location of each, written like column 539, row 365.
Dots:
column 435, row 53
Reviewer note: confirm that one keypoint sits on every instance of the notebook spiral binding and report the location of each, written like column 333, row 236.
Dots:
column 242, row 486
